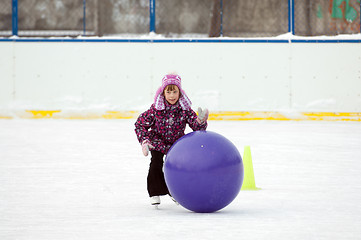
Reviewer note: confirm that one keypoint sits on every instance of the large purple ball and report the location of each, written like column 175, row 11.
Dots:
column 203, row 171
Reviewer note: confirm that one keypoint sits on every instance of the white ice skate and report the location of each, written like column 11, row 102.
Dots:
column 155, row 200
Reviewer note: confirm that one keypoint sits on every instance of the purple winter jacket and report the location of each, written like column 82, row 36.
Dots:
column 163, row 127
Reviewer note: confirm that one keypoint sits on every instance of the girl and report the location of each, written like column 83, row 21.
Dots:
column 163, row 124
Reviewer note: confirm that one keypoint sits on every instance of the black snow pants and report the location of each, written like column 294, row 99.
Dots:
column 155, row 181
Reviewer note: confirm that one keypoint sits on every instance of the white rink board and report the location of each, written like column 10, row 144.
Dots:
column 223, row 76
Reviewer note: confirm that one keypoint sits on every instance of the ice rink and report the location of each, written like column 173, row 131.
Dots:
column 86, row 179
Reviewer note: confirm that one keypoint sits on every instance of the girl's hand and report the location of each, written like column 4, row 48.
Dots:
column 146, row 146
column 202, row 115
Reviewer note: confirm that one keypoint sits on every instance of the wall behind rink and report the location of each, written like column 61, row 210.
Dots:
column 88, row 78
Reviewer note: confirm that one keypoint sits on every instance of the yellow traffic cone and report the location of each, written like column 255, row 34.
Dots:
column 249, row 182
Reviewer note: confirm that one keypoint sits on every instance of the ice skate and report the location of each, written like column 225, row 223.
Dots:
column 155, row 201
column 175, row 201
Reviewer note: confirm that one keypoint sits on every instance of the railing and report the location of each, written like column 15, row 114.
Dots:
column 174, row 18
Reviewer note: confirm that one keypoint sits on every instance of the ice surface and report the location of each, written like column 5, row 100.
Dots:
column 86, row 179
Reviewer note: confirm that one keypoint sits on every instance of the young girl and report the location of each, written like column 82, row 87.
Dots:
column 163, row 124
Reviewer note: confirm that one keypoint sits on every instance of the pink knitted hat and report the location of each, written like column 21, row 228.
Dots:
column 171, row 79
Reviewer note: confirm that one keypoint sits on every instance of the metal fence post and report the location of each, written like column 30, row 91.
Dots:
column 152, row 15
column 291, row 17
column 15, row 17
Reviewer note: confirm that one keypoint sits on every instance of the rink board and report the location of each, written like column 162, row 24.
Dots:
column 235, row 80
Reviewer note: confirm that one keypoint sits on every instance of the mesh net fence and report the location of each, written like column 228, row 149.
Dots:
column 186, row 18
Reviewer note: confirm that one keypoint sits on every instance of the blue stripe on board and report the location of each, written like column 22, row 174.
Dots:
column 183, row 40
column 326, row 41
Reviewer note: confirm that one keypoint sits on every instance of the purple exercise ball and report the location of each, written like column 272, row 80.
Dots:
column 203, row 171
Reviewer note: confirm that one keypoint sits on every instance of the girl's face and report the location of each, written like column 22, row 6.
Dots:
column 171, row 94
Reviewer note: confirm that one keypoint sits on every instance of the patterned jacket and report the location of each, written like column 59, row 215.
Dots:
column 163, row 127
